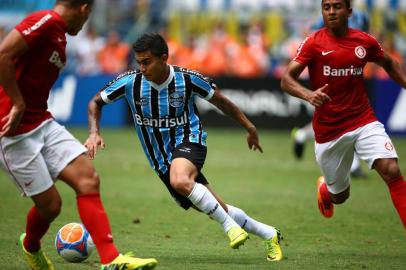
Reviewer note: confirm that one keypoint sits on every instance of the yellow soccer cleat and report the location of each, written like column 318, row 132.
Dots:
column 273, row 248
column 36, row 260
column 237, row 237
column 129, row 262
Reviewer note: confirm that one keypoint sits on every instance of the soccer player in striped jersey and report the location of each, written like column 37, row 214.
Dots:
column 161, row 98
column 344, row 120
column 34, row 149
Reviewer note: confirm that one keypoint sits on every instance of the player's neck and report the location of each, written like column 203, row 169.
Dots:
column 338, row 32
column 164, row 76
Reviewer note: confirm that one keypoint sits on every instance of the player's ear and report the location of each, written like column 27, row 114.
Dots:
column 164, row 57
column 85, row 9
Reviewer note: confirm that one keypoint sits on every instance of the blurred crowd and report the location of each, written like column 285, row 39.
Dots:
column 243, row 38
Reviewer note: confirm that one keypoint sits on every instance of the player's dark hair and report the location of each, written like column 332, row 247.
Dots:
column 347, row 3
column 75, row 2
column 152, row 42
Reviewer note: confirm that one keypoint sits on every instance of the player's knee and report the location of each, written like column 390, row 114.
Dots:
column 56, row 208
column 387, row 168
column 51, row 210
column 392, row 170
column 88, row 183
column 182, row 184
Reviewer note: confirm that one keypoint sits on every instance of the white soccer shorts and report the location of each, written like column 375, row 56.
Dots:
column 34, row 160
column 370, row 142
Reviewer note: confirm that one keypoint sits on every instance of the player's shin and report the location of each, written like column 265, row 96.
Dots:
column 251, row 225
column 36, row 228
column 95, row 219
column 204, row 200
column 397, row 188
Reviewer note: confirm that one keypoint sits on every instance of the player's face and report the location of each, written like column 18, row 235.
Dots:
column 335, row 14
column 154, row 68
column 81, row 16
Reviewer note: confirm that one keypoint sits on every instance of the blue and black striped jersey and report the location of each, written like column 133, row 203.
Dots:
column 164, row 115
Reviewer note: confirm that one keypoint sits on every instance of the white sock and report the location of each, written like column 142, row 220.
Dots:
column 202, row 198
column 305, row 133
column 251, row 225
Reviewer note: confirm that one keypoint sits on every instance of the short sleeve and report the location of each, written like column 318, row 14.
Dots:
column 375, row 52
column 115, row 89
column 34, row 28
column 304, row 53
column 204, row 87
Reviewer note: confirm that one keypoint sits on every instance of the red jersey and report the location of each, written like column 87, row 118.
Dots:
column 37, row 69
column 339, row 62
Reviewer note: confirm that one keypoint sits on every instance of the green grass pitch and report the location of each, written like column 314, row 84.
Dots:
column 365, row 232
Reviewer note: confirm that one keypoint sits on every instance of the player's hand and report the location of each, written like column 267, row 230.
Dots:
column 93, row 143
column 319, row 97
column 11, row 120
column 253, row 140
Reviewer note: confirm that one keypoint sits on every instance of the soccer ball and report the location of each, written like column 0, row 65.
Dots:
column 73, row 242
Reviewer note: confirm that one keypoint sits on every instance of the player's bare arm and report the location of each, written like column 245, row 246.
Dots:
column 11, row 48
column 394, row 69
column 95, row 140
column 230, row 109
column 291, row 85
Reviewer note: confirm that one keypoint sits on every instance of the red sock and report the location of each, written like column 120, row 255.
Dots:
column 36, row 228
column 95, row 219
column 397, row 189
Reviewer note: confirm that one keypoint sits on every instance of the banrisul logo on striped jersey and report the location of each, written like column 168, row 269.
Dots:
column 176, row 99
column 161, row 122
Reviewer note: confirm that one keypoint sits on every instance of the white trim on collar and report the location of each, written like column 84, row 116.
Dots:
column 165, row 83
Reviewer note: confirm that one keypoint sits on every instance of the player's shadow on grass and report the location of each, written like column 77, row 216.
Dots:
column 216, row 259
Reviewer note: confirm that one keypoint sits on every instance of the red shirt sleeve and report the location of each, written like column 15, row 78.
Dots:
column 304, row 53
column 375, row 52
column 34, row 27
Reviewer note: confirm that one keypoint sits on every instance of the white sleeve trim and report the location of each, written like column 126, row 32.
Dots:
column 103, row 95
column 210, row 95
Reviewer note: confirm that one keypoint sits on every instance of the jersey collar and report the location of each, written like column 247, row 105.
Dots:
column 165, row 83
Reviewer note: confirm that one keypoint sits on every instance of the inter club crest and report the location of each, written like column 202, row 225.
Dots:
column 389, row 146
column 360, row 52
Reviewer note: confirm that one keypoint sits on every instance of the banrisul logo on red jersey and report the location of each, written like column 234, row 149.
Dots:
column 56, row 59
column 342, row 72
